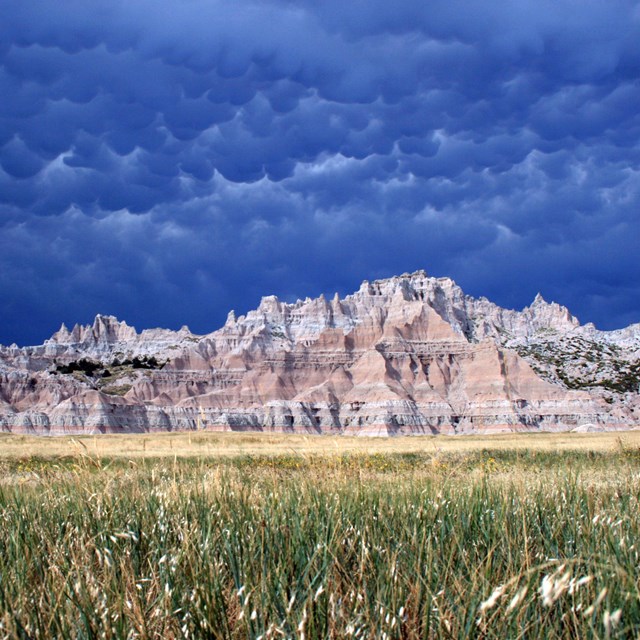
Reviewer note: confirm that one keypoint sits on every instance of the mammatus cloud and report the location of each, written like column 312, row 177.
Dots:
column 169, row 161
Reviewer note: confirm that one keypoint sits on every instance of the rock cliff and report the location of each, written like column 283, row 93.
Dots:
column 405, row 355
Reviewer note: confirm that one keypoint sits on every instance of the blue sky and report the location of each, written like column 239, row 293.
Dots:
column 166, row 162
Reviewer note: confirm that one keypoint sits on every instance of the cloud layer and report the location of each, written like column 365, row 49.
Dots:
column 169, row 161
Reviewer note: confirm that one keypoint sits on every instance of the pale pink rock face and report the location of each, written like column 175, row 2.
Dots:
column 406, row 355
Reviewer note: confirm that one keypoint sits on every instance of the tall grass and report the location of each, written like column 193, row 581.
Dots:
column 482, row 546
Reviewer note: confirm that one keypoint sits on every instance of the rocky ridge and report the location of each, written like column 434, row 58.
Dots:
column 410, row 354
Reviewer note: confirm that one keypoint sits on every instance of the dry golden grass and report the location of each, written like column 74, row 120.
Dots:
column 215, row 444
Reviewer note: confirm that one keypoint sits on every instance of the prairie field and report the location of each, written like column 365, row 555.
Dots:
column 275, row 536
column 224, row 444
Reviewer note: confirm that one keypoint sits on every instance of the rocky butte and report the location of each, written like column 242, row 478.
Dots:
column 406, row 355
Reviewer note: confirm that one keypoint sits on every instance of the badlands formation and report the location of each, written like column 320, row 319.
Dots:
column 406, row 355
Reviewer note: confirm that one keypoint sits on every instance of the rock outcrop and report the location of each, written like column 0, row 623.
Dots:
column 405, row 355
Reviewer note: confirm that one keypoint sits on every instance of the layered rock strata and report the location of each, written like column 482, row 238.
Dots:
column 405, row 355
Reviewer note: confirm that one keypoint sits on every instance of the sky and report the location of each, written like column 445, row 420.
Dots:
column 166, row 161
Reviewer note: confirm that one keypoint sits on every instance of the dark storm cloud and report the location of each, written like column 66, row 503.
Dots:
column 167, row 161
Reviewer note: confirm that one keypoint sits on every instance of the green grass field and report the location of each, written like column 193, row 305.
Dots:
column 385, row 539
